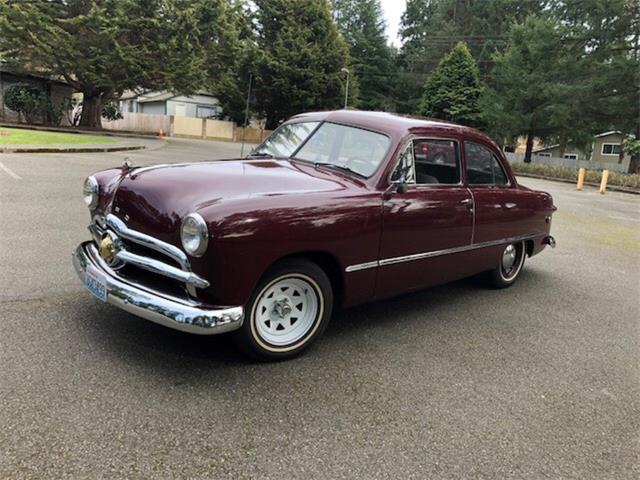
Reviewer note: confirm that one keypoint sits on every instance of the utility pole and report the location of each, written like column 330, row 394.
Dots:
column 246, row 115
column 346, row 88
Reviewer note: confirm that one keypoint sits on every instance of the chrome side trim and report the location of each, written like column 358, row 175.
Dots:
column 437, row 253
column 184, row 315
column 361, row 266
column 161, row 268
column 148, row 241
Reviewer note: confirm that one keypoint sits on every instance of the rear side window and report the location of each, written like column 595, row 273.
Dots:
column 483, row 167
column 436, row 161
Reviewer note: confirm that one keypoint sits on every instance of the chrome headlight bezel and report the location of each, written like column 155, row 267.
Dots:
column 90, row 192
column 194, row 235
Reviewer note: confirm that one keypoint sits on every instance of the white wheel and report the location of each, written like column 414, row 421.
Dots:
column 287, row 312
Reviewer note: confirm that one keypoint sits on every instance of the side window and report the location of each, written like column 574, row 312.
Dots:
column 405, row 168
column 483, row 168
column 437, row 161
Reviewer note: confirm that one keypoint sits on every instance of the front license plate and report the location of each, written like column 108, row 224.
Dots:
column 96, row 283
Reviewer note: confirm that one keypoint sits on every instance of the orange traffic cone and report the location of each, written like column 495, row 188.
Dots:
column 161, row 133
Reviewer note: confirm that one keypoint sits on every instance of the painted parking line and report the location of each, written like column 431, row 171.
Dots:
column 9, row 172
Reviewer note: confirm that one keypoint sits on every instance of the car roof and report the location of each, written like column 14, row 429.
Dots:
column 391, row 123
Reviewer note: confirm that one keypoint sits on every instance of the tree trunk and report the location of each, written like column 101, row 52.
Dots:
column 562, row 146
column 529, row 150
column 91, row 111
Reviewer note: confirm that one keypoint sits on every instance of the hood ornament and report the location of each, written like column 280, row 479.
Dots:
column 126, row 164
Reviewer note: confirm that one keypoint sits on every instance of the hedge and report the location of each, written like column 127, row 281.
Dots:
column 567, row 173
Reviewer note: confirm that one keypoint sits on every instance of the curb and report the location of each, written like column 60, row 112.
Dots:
column 613, row 188
column 120, row 148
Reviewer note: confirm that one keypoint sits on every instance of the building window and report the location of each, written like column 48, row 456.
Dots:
column 203, row 111
column 610, row 149
column 544, row 154
column 571, row 156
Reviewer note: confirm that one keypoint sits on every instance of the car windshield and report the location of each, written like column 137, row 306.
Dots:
column 348, row 148
column 285, row 140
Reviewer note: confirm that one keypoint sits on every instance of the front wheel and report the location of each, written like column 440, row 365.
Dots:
column 509, row 266
column 287, row 312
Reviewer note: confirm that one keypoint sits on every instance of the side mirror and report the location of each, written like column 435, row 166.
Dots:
column 402, row 187
column 398, row 186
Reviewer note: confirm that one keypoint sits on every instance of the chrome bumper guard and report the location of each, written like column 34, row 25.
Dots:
column 549, row 240
column 191, row 317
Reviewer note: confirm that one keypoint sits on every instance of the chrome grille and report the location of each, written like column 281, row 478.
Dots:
column 123, row 237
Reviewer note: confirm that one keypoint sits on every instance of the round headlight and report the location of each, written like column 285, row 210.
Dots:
column 90, row 192
column 194, row 235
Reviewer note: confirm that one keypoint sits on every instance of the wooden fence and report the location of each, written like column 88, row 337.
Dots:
column 188, row 127
column 571, row 163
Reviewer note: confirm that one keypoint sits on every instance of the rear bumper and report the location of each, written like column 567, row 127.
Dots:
column 171, row 312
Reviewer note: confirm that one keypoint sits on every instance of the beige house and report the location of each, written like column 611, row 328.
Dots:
column 605, row 148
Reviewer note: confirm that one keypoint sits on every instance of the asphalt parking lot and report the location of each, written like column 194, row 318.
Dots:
column 541, row 380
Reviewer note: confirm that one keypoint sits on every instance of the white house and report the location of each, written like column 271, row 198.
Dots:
column 199, row 105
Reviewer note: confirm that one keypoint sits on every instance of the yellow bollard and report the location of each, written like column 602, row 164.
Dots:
column 580, row 178
column 603, row 182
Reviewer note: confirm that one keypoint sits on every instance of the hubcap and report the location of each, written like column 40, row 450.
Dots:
column 509, row 261
column 286, row 310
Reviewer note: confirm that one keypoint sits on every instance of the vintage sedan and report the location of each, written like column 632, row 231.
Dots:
column 333, row 209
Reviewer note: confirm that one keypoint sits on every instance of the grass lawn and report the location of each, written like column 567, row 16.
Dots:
column 19, row 136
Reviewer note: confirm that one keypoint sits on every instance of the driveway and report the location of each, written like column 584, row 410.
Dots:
column 541, row 380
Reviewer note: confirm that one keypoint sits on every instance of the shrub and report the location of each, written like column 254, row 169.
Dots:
column 32, row 102
column 568, row 173
column 111, row 111
column 25, row 99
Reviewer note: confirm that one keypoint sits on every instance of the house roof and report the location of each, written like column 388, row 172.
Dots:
column 155, row 96
column 542, row 149
column 4, row 69
column 606, row 134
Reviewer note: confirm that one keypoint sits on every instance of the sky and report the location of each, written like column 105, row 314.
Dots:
column 393, row 10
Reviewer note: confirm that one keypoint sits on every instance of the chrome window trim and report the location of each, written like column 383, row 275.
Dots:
column 436, row 253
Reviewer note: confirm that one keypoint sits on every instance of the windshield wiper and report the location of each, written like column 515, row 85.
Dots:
column 339, row 167
column 260, row 154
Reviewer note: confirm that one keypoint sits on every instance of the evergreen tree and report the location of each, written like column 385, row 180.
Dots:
column 302, row 54
column 103, row 47
column 533, row 90
column 452, row 91
column 605, row 38
column 431, row 28
column 362, row 24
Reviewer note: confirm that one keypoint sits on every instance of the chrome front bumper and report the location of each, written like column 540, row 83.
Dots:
column 171, row 312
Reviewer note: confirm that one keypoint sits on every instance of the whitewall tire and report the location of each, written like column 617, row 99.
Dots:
column 287, row 312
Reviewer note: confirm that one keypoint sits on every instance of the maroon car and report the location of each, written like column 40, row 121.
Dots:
column 333, row 209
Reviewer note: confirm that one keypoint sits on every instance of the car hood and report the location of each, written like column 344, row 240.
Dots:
column 155, row 199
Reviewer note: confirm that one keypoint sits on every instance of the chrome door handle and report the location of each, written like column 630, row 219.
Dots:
column 467, row 201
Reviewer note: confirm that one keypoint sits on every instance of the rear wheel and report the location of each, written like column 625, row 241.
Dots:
column 288, row 311
column 509, row 266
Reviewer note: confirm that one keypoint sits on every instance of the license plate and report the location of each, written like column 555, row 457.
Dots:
column 96, row 283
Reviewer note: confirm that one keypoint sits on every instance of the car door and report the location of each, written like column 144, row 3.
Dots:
column 424, row 225
column 501, row 210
